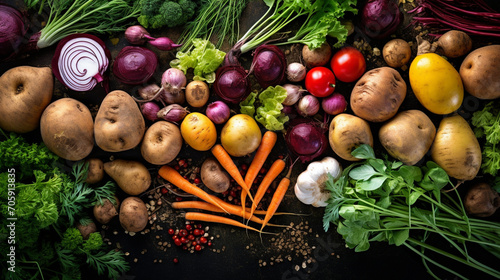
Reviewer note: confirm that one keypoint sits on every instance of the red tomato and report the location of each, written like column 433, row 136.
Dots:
column 348, row 64
column 320, row 81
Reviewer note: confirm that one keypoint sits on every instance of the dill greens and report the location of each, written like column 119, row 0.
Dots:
column 386, row 201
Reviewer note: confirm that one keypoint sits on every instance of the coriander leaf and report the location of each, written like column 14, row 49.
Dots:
column 413, row 197
column 364, row 151
column 372, row 183
column 410, row 173
column 492, row 133
column 491, row 159
column 400, row 236
column 364, row 172
column 396, row 164
column 435, row 178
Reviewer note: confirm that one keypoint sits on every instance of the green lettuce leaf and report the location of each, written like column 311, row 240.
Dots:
column 269, row 112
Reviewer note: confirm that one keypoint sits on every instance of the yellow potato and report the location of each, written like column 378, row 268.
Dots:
column 346, row 133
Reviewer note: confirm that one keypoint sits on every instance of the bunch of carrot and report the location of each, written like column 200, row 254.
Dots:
column 215, row 204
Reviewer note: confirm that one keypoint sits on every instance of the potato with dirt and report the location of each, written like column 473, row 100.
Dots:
column 67, row 129
column 481, row 200
column 96, row 170
column 162, row 143
column 480, row 72
column 197, row 93
column 455, row 43
column 130, row 175
column 133, row 214
column 346, row 133
column 378, row 94
column 119, row 123
column 317, row 57
column 214, row 176
column 408, row 136
column 25, row 92
column 396, row 53
column 106, row 211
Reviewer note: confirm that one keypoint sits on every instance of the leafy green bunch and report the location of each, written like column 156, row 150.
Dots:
column 387, row 201
column 159, row 13
column 486, row 125
column 269, row 107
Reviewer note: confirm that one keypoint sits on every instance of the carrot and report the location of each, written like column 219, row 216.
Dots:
column 171, row 175
column 278, row 196
column 201, row 205
column 271, row 175
column 228, row 164
column 197, row 216
column 266, row 146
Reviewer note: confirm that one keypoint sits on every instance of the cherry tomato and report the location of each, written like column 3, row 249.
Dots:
column 348, row 64
column 320, row 81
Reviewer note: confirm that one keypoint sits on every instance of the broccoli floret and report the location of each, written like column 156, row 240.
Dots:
column 157, row 13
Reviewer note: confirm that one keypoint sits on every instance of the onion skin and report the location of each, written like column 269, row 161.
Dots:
column 293, row 94
column 218, row 112
column 308, row 106
column 12, row 30
column 135, row 65
column 232, row 84
column 173, row 113
column 137, row 35
column 99, row 78
column 306, row 139
column 296, row 72
column 380, row 18
column 164, row 44
column 334, row 104
column 150, row 110
column 268, row 65
column 173, row 80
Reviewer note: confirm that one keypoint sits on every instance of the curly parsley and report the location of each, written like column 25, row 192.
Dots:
column 486, row 125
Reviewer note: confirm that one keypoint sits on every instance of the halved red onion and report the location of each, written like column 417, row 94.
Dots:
column 80, row 62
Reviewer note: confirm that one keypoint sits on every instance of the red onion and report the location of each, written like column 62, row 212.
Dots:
column 148, row 92
column 306, row 139
column 232, row 84
column 137, row 35
column 134, row 65
column 80, row 62
column 308, row 105
column 334, row 104
column 12, row 30
column 218, row 112
column 164, row 44
column 173, row 80
column 380, row 18
column 293, row 94
column 173, row 98
column 295, row 72
column 173, row 113
column 150, row 110
column 268, row 65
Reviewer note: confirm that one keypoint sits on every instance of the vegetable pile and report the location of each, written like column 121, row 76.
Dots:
column 196, row 123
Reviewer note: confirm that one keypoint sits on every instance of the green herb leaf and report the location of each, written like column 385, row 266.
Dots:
column 372, row 183
column 364, row 151
column 410, row 174
column 364, row 172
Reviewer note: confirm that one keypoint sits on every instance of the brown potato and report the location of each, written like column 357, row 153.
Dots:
column 103, row 213
column 346, row 133
column 67, row 129
column 87, row 229
column 131, row 176
column 480, row 71
column 214, row 176
column 133, row 214
column 481, row 200
column 376, row 97
column 396, row 53
column 317, row 57
column 119, row 124
column 197, row 93
column 96, row 171
column 25, row 92
column 455, row 43
column 408, row 136
column 162, row 143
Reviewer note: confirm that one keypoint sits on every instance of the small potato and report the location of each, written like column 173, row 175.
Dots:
column 317, row 57
column 96, row 171
column 103, row 213
column 481, row 200
column 396, row 53
column 133, row 214
column 197, row 93
column 408, row 136
column 162, row 143
column 455, row 43
column 346, row 133
column 131, row 176
column 214, row 176
column 86, row 230
column 480, row 71
column 377, row 95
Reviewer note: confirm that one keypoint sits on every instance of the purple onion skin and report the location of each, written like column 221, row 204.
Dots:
column 218, row 112
column 380, row 18
column 173, row 80
column 164, row 44
column 137, row 35
column 12, row 31
column 269, row 65
column 135, row 65
column 231, row 84
column 334, row 104
column 306, row 139
column 150, row 110
column 173, row 113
